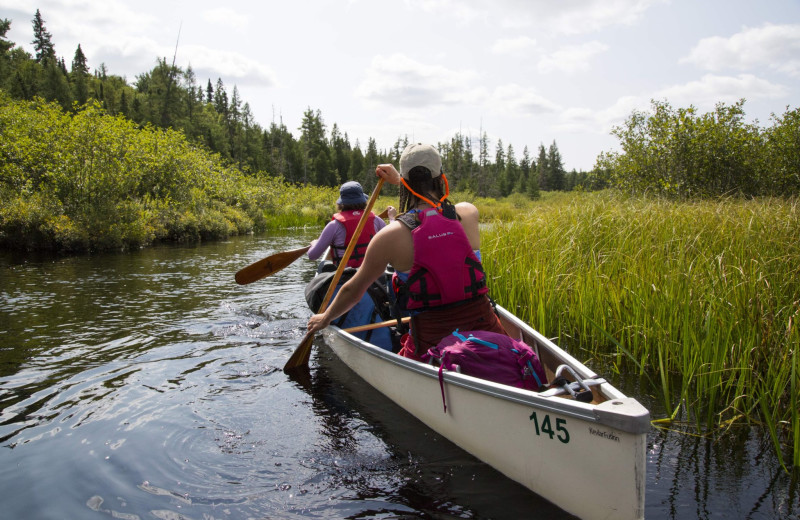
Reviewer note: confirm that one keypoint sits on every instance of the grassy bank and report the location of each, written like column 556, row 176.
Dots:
column 701, row 298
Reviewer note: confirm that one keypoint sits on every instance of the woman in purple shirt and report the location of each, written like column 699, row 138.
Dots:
column 336, row 235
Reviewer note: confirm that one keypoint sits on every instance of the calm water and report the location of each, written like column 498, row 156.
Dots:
column 149, row 385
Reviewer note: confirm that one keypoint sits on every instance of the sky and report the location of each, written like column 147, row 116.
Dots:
column 524, row 72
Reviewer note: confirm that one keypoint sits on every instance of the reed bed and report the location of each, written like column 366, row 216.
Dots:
column 700, row 299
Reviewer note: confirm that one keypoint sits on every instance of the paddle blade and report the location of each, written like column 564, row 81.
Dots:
column 267, row 266
column 301, row 355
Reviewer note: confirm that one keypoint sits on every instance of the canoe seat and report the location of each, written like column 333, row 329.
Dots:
column 578, row 389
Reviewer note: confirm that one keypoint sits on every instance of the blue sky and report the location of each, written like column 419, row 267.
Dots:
column 527, row 72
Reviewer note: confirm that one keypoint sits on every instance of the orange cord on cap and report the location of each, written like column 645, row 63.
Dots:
column 436, row 205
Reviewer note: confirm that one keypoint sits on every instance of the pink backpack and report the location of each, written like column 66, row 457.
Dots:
column 489, row 355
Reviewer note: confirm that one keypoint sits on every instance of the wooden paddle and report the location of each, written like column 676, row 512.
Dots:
column 274, row 263
column 371, row 326
column 269, row 265
column 302, row 353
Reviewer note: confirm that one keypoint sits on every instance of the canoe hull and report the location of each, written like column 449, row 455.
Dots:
column 588, row 459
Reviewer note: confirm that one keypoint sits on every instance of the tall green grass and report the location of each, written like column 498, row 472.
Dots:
column 701, row 298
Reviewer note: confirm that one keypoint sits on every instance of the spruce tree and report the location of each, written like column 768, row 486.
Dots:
column 42, row 40
column 79, row 65
column 370, row 163
column 556, row 167
column 221, row 99
column 512, row 172
column 542, row 171
column 356, row 163
column 5, row 45
column 78, row 76
column 500, row 184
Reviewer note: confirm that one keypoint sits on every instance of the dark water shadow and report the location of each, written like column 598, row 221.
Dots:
column 424, row 475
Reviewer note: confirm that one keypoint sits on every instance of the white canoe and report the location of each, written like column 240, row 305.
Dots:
column 588, row 458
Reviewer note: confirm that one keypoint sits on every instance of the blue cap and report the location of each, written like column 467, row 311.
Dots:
column 351, row 192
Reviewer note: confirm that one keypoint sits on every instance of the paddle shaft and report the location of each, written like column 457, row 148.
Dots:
column 302, row 354
column 371, row 326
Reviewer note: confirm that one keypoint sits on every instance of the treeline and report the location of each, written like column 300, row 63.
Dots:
column 682, row 154
column 171, row 97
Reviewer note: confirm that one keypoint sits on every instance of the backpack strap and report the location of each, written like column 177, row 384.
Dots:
column 441, row 378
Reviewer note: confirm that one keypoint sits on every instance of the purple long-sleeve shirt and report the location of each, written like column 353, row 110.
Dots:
column 334, row 233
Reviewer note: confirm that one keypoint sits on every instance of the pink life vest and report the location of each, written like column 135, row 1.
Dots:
column 440, row 244
column 350, row 219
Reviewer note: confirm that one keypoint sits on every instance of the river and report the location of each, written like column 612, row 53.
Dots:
column 149, row 385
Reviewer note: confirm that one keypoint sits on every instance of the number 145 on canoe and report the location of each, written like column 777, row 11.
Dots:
column 546, row 428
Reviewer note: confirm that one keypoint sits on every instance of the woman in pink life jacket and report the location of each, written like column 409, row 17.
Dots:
column 338, row 232
column 434, row 248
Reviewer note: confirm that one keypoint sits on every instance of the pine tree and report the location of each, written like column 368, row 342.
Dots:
column 500, row 181
column 54, row 85
column 79, row 65
column 235, row 107
column 542, row 170
column 123, row 104
column 370, row 163
column 512, row 171
column 342, row 153
column 356, row 163
column 78, row 76
column 235, row 127
column 5, row 45
column 483, row 154
column 317, row 164
column 42, row 40
column 483, row 162
column 221, row 99
column 556, row 167
column 532, row 188
column 524, row 172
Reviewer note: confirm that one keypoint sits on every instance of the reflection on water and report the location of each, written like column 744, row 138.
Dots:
column 150, row 385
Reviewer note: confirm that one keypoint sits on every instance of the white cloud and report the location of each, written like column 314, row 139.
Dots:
column 600, row 121
column 776, row 47
column 519, row 101
column 704, row 94
column 513, row 45
column 399, row 81
column 229, row 65
column 709, row 90
column 225, row 16
column 564, row 16
column 579, row 17
column 573, row 58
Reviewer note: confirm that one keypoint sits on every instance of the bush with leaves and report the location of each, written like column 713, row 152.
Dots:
column 86, row 180
column 683, row 154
